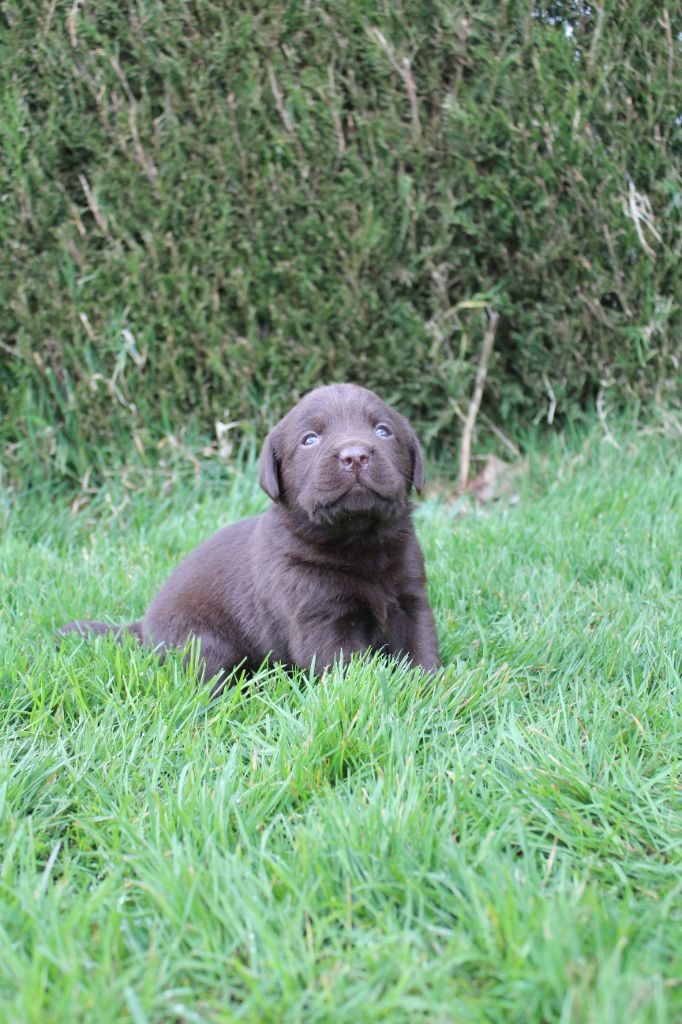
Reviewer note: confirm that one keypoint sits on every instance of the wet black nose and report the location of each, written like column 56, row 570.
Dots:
column 354, row 457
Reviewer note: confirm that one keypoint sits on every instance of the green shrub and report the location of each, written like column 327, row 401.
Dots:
column 211, row 206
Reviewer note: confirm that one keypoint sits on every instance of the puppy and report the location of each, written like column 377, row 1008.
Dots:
column 333, row 567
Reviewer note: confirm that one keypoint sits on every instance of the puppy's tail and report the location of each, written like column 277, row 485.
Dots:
column 88, row 627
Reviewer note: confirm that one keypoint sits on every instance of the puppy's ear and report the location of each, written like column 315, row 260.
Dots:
column 417, row 463
column 268, row 476
column 417, row 457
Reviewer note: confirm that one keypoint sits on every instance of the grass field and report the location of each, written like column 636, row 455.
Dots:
column 503, row 844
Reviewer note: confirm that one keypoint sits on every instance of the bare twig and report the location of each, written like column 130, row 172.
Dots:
column 48, row 20
column 14, row 352
column 71, row 22
column 638, row 208
column 92, row 203
column 338, row 126
column 231, row 105
column 591, row 57
column 145, row 162
column 552, row 399
column 665, row 21
column 472, row 412
column 601, row 413
column 83, row 317
column 404, row 69
column 501, row 436
column 286, row 120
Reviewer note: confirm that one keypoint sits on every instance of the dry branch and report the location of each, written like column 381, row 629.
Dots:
column 474, row 404
column 404, row 68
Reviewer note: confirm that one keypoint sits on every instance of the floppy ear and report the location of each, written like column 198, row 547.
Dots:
column 417, row 463
column 268, row 476
column 416, row 457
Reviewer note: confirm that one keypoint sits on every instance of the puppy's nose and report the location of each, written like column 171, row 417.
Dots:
column 354, row 457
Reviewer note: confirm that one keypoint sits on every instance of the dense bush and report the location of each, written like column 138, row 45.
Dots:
column 211, row 205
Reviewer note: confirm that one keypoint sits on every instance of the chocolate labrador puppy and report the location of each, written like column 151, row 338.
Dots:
column 334, row 564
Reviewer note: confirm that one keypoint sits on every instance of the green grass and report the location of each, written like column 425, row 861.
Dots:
column 502, row 844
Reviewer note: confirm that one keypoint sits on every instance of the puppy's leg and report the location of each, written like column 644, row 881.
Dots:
column 218, row 657
column 215, row 655
column 422, row 641
column 323, row 642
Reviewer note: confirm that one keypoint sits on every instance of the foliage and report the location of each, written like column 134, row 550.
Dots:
column 209, row 207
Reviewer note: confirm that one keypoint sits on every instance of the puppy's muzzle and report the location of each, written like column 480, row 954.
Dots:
column 355, row 458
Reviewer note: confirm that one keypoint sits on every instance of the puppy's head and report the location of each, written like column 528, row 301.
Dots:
column 342, row 457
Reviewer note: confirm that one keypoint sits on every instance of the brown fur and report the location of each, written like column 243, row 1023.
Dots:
column 333, row 565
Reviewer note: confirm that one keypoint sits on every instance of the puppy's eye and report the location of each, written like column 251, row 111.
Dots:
column 381, row 430
column 309, row 439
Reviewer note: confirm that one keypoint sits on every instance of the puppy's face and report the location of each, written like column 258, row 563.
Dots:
column 342, row 456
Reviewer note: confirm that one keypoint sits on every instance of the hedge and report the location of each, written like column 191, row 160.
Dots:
column 210, row 207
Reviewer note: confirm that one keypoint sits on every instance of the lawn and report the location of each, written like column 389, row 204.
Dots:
column 501, row 844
